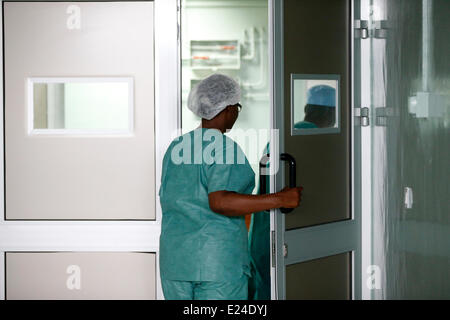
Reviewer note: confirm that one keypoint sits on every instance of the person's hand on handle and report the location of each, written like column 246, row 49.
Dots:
column 290, row 197
column 234, row 204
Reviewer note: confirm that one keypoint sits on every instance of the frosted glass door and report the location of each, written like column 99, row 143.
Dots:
column 410, row 89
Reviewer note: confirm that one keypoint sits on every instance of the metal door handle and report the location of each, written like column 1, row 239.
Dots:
column 262, row 177
column 292, row 174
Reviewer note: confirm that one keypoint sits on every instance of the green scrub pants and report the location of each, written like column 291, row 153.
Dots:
column 206, row 290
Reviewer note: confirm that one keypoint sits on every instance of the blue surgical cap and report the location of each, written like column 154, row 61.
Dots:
column 322, row 95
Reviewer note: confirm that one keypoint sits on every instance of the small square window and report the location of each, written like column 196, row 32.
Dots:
column 315, row 104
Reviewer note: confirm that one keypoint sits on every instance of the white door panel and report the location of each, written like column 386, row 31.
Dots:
column 79, row 177
column 82, row 275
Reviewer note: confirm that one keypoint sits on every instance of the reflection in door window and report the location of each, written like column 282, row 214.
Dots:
column 315, row 104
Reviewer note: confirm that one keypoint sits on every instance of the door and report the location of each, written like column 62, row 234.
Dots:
column 409, row 138
column 317, row 244
column 69, row 122
column 82, row 138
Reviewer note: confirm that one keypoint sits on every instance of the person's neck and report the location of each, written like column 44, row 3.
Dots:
column 211, row 124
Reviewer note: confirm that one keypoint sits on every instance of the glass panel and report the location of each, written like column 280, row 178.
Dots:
column 238, row 49
column 410, row 147
column 88, row 105
column 314, row 104
column 324, row 278
column 323, row 161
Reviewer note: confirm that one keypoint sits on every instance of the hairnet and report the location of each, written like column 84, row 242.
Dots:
column 213, row 94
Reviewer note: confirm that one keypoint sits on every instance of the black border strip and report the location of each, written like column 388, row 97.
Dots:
column 4, row 274
column 4, row 155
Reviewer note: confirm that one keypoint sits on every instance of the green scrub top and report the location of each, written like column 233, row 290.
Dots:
column 259, row 248
column 305, row 125
column 197, row 244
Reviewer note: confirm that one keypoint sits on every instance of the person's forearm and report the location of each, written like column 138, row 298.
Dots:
column 235, row 204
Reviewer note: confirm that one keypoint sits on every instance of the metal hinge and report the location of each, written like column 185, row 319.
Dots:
column 285, row 249
column 380, row 29
column 362, row 117
column 361, row 29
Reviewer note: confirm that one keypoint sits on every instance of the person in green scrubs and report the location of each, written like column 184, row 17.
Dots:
column 259, row 249
column 205, row 193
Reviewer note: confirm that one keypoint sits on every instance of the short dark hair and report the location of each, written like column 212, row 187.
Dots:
column 322, row 116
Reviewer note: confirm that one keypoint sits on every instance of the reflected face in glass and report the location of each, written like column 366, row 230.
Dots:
column 314, row 104
column 81, row 105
